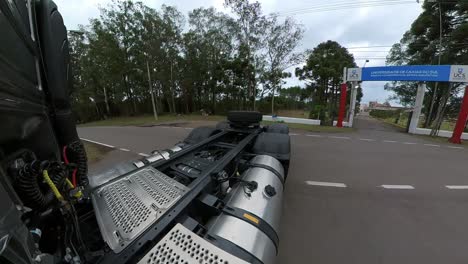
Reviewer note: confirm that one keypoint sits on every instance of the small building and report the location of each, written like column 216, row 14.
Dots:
column 374, row 105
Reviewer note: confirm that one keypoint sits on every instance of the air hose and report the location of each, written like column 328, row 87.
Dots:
column 75, row 153
column 28, row 184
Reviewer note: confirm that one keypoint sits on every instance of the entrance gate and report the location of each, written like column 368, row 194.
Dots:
column 420, row 73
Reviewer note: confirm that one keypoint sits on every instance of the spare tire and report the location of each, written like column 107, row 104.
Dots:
column 244, row 118
column 273, row 144
column 277, row 128
column 276, row 145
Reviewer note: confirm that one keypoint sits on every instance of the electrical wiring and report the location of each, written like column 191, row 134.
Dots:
column 340, row 6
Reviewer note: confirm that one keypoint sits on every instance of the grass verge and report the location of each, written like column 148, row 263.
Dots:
column 391, row 121
column 314, row 128
column 435, row 139
column 441, row 140
column 149, row 120
column 95, row 152
column 446, row 125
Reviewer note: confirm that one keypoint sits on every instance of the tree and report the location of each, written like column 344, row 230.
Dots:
column 209, row 43
column 281, row 41
column 123, row 21
column 429, row 42
column 323, row 73
column 132, row 51
column 251, row 23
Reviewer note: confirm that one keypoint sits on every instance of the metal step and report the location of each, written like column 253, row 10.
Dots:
column 127, row 207
column 183, row 246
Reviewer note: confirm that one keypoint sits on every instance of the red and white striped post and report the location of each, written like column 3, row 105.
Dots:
column 461, row 122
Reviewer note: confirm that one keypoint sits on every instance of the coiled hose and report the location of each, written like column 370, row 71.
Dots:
column 28, row 184
column 75, row 153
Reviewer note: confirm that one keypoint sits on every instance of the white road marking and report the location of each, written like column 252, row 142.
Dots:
column 452, row 147
column 409, row 143
column 389, row 141
column 99, row 143
column 431, row 145
column 293, row 134
column 457, row 187
column 311, row 135
column 124, row 149
column 401, row 187
column 339, row 137
column 367, row 139
column 188, row 128
column 326, row 184
column 143, row 154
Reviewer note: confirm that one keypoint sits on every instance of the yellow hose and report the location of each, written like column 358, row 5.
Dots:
column 52, row 185
column 70, row 184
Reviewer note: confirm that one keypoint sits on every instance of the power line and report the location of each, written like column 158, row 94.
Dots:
column 339, row 4
column 342, row 6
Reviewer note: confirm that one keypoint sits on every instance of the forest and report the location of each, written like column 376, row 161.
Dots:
column 134, row 60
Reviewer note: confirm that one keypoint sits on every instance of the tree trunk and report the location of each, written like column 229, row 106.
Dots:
column 172, row 92
column 134, row 104
column 213, row 103
column 173, row 102
column 130, row 94
column 106, row 101
column 151, row 90
column 169, row 105
column 273, row 101
column 254, row 97
column 441, row 111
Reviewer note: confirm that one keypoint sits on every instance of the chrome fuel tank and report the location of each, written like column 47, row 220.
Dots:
column 251, row 219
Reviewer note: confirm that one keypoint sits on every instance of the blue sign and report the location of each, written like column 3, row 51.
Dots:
column 427, row 73
column 436, row 73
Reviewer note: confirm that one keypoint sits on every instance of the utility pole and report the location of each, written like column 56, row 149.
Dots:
column 155, row 113
column 434, row 94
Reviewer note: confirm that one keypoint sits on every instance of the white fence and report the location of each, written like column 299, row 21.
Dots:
column 291, row 120
column 442, row 133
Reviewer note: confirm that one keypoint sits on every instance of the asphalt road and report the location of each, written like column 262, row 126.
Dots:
column 371, row 196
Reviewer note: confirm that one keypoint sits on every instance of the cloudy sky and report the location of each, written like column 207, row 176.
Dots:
column 375, row 27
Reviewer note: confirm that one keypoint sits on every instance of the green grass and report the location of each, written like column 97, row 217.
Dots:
column 314, row 128
column 401, row 124
column 447, row 125
column 293, row 113
column 95, row 152
column 149, row 119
